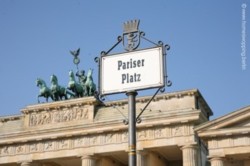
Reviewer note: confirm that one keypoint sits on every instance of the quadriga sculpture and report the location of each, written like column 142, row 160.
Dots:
column 84, row 86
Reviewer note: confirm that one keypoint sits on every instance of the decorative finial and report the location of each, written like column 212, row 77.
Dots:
column 76, row 53
column 132, row 33
column 131, row 26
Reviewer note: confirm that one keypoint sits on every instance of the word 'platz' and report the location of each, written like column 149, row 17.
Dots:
column 135, row 70
column 128, row 77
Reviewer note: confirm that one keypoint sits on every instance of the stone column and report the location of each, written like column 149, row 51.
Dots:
column 88, row 160
column 216, row 161
column 26, row 163
column 189, row 155
column 141, row 157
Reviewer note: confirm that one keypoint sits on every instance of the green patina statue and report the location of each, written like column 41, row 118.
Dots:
column 44, row 90
column 89, row 84
column 58, row 92
column 84, row 87
column 75, row 86
column 82, row 77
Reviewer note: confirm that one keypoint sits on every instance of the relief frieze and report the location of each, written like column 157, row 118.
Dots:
column 100, row 139
column 124, row 136
column 58, row 116
column 110, row 138
column 33, row 147
column 63, row 144
column 20, row 149
column 6, row 150
column 48, row 146
column 159, row 133
column 81, row 141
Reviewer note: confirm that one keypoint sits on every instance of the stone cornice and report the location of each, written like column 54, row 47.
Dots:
column 11, row 118
column 225, row 132
column 225, row 121
column 60, row 104
column 166, row 96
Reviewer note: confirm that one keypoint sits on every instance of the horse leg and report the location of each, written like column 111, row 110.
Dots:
column 81, row 93
column 38, row 99
column 65, row 96
column 52, row 96
column 55, row 98
column 76, row 92
column 91, row 91
column 62, row 95
column 86, row 91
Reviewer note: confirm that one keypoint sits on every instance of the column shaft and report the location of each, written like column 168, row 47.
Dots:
column 88, row 161
column 26, row 164
column 217, row 161
column 141, row 157
column 189, row 155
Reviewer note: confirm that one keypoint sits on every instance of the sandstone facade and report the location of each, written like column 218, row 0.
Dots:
column 175, row 131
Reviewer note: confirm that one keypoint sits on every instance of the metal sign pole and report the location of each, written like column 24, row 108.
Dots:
column 132, row 127
column 131, row 40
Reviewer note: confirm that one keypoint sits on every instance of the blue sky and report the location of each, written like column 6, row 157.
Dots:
column 205, row 40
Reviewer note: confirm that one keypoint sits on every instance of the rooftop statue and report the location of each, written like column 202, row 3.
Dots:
column 58, row 92
column 89, row 84
column 75, row 86
column 82, row 78
column 76, row 59
column 44, row 90
column 83, row 86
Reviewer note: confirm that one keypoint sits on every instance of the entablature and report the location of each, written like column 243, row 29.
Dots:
column 87, row 116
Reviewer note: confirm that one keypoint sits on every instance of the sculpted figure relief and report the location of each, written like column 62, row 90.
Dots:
column 93, row 140
column 58, row 116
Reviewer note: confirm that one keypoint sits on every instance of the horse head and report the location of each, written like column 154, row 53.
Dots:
column 44, row 90
column 40, row 82
column 53, row 79
column 90, row 73
column 71, row 75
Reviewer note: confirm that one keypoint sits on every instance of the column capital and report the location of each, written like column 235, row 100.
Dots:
column 142, row 152
column 26, row 163
column 89, row 156
column 216, row 161
column 88, row 160
column 193, row 146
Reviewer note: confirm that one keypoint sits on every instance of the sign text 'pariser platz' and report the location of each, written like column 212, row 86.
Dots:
column 130, row 71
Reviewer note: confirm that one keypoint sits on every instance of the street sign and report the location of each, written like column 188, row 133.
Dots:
column 132, row 71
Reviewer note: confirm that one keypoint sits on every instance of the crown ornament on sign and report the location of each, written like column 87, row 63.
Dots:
column 131, row 26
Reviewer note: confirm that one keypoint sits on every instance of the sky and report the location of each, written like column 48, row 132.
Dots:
column 205, row 38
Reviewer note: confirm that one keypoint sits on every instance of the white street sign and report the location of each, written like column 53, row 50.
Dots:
column 130, row 71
